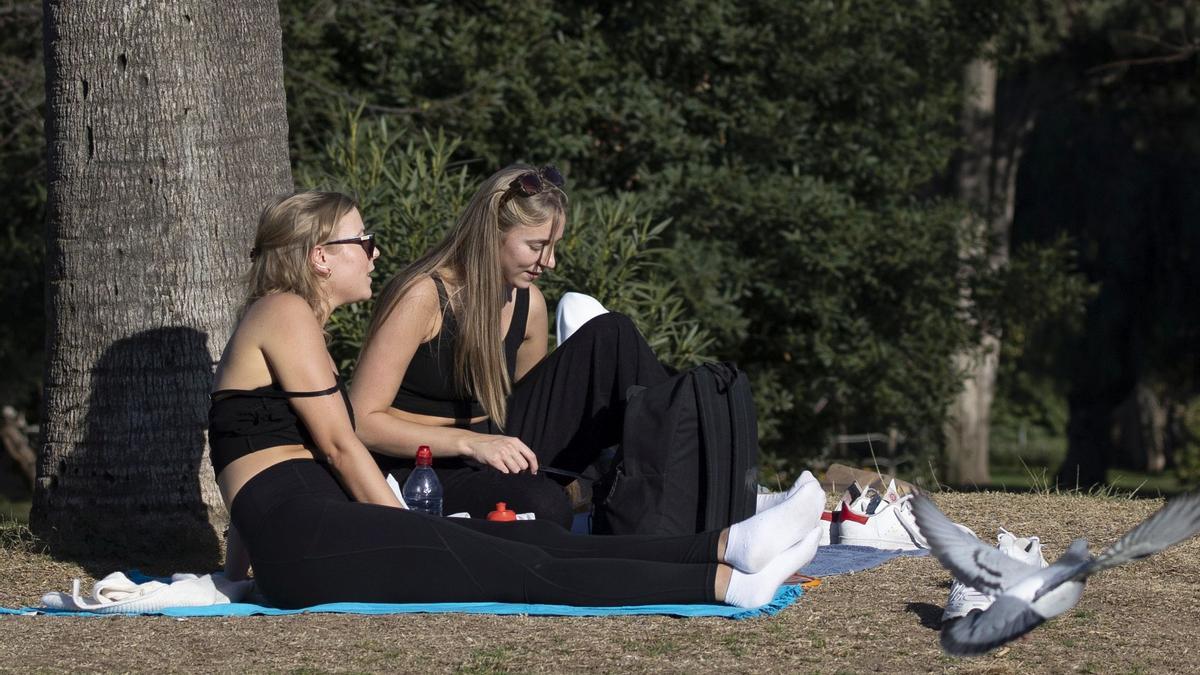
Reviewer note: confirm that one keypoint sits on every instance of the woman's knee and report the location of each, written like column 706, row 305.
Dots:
column 609, row 324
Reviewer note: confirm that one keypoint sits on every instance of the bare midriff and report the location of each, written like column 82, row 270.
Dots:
column 241, row 470
column 429, row 420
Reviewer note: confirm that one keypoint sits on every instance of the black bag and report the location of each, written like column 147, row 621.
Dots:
column 688, row 459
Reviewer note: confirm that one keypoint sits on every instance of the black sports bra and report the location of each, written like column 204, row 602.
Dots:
column 242, row 421
column 429, row 388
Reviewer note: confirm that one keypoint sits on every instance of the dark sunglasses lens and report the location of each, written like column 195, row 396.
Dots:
column 553, row 176
column 530, row 184
column 368, row 245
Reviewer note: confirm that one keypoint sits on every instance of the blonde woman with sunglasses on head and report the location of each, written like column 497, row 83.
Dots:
column 455, row 358
column 313, row 516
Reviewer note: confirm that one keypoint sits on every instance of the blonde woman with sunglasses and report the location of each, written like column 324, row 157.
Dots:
column 456, row 358
column 314, row 518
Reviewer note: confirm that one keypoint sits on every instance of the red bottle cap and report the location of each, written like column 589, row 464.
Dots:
column 502, row 513
column 424, row 456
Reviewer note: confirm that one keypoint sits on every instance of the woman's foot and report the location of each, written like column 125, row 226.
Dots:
column 756, row 590
column 767, row 500
column 753, row 543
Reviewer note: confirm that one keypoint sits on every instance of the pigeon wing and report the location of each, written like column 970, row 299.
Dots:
column 971, row 561
column 1007, row 619
column 1178, row 520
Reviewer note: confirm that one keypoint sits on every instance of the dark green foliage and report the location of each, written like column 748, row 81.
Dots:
column 411, row 192
column 1112, row 87
column 795, row 148
column 767, row 176
column 22, row 200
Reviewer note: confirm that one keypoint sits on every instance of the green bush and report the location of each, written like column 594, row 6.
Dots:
column 796, row 147
column 411, row 191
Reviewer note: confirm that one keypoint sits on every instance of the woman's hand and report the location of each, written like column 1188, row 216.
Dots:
column 506, row 454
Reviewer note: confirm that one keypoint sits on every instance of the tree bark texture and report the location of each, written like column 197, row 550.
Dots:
column 166, row 133
column 968, row 424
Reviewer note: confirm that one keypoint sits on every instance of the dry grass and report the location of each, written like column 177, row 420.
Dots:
column 1139, row 618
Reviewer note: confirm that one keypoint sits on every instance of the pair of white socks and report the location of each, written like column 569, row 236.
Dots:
column 779, row 539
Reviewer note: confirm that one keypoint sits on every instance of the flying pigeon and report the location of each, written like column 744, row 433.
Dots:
column 1026, row 595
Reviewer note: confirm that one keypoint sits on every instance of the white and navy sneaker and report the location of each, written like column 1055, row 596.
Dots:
column 880, row 520
column 963, row 599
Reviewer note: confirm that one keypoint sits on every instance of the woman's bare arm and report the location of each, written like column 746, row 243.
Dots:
column 293, row 344
column 381, row 368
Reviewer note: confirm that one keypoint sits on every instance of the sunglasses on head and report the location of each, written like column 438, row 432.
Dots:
column 367, row 241
column 531, row 183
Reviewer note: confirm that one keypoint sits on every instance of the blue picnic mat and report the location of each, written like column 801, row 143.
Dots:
column 829, row 561
column 784, row 597
column 836, row 559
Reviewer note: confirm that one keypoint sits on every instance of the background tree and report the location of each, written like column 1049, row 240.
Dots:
column 166, row 131
column 798, row 149
column 1111, row 162
column 22, row 200
column 802, row 156
column 981, row 183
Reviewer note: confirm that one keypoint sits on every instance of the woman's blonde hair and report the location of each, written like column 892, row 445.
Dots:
column 471, row 252
column 289, row 227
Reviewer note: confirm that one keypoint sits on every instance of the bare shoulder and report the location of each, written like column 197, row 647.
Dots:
column 280, row 314
column 419, row 305
column 277, row 324
column 536, row 297
column 537, row 301
column 422, row 294
column 280, row 307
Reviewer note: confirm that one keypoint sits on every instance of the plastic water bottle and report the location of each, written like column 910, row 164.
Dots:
column 423, row 491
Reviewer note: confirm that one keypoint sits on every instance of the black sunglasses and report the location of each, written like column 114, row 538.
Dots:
column 367, row 241
column 531, row 183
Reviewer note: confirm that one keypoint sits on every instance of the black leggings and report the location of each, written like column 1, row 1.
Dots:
column 309, row 543
column 567, row 409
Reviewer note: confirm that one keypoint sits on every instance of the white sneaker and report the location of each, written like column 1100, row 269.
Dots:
column 881, row 521
column 963, row 599
column 831, row 520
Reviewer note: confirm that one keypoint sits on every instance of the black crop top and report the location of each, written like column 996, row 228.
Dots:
column 242, row 421
column 429, row 388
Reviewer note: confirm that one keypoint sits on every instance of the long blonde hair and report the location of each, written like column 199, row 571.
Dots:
column 471, row 251
column 289, row 227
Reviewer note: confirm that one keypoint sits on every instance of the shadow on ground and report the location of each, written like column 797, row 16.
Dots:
column 930, row 615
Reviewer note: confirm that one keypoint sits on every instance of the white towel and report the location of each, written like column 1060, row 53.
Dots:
column 396, row 490
column 117, row 594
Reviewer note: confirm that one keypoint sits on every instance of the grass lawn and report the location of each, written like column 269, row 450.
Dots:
column 1119, row 481
column 1136, row 618
column 17, row 511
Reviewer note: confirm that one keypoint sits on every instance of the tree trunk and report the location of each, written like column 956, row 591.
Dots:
column 1141, row 431
column 982, row 188
column 166, row 132
column 16, row 444
column 969, row 422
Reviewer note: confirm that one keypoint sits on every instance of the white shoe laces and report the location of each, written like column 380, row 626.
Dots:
column 904, row 514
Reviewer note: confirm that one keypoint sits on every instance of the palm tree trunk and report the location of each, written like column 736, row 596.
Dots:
column 166, row 132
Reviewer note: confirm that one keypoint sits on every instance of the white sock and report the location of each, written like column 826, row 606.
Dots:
column 754, row 542
column 756, row 590
column 768, row 500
